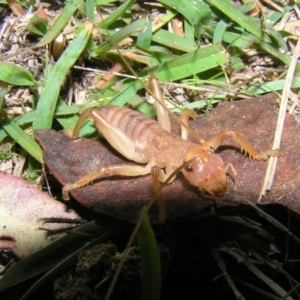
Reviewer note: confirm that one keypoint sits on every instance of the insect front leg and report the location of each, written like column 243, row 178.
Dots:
column 159, row 177
column 156, row 184
column 184, row 117
column 124, row 170
column 230, row 166
column 217, row 140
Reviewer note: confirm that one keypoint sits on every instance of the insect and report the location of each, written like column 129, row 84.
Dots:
column 145, row 141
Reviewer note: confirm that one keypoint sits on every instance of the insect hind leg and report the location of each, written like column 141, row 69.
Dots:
column 218, row 138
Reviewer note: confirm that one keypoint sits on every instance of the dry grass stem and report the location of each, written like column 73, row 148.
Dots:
column 268, row 180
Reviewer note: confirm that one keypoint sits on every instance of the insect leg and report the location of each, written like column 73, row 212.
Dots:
column 74, row 134
column 158, row 193
column 217, row 140
column 158, row 179
column 125, row 170
column 230, row 166
column 184, row 117
column 115, row 136
column 162, row 113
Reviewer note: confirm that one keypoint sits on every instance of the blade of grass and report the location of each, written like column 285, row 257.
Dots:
column 62, row 109
column 181, row 67
column 45, row 258
column 196, row 12
column 157, row 24
column 47, row 102
column 37, row 25
column 135, row 26
column 227, row 8
column 89, row 9
column 174, row 41
column 139, row 104
column 123, row 97
column 62, row 20
column 278, row 38
column 71, row 253
column 15, row 75
column 188, row 30
column 222, row 265
column 162, row 20
column 219, row 31
column 116, row 14
column 145, row 37
column 245, row 41
column 268, row 281
column 65, row 110
column 23, row 139
column 151, row 267
column 239, row 40
column 191, row 63
column 274, row 52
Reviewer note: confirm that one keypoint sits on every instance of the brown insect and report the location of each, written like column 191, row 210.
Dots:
column 145, row 141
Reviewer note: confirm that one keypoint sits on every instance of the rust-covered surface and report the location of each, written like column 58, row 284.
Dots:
column 254, row 118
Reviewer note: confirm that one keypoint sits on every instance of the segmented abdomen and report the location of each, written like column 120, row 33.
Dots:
column 146, row 134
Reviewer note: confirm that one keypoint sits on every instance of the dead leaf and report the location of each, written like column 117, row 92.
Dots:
column 254, row 118
column 21, row 208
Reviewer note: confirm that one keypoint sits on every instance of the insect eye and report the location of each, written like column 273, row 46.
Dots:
column 189, row 168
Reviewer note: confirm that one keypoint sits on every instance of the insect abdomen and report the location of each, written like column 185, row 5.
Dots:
column 146, row 134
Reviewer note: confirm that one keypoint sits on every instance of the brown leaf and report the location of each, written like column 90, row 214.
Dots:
column 21, row 208
column 123, row 197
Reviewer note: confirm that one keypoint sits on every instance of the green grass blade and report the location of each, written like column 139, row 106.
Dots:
column 181, row 67
column 135, row 26
column 123, row 97
column 23, row 139
column 191, row 63
column 45, row 258
column 15, row 75
column 116, row 14
column 245, row 41
column 65, row 261
column 64, row 17
column 174, row 41
column 37, row 25
column 47, row 102
column 220, row 31
column 239, row 40
column 274, row 52
column 90, row 9
column 62, row 109
column 196, row 12
column 151, row 267
column 227, row 8
column 145, row 37
column 56, row 253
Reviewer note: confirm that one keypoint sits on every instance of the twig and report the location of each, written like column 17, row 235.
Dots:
column 268, row 181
